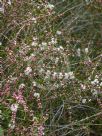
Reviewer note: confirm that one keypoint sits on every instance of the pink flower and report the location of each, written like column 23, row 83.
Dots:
column 40, row 131
column 20, row 99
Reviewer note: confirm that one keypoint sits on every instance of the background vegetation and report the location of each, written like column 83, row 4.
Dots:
column 51, row 68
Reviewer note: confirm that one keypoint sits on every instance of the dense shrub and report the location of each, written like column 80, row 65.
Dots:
column 51, row 65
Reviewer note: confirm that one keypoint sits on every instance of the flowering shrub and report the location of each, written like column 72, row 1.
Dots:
column 51, row 64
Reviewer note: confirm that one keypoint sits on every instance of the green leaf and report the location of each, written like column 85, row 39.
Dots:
column 1, row 131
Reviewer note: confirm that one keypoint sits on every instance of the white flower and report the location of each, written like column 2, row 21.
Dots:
column 9, row 2
column 50, row 6
column 86, row 50
column 35, row 38
column 21, row 86
column 83, row 100
column 89, row 78
column 28, row 70
column 56, row 60
column 94, row 82
column 35, row 118
column 2, row 9
column 66, row 75
column 32, row 55
column 94, row 92
column 87, row 1
column 34, row 19
column 26, row 58
column 44, row 43
column 54, row 75
column 42, row 48
column 61, row 47
column 13, row 79
column 12, row 126
column 48, row 73
column 38, row 7
column 0, row 43
column 97, row 76
column 78, row 52
column 15, row 42
column 34, row 83
column 53, row 41
column 71, row 75
column 14, row 107
column 37, row 95
column 101, row 84
column 83, row 86
column 89, row 100
column 58, row 32
column 34, row 43
column 60, row 76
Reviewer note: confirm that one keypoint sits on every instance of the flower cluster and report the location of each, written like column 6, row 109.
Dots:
column 40, row 131
column 14, row 108
column 19, row 98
